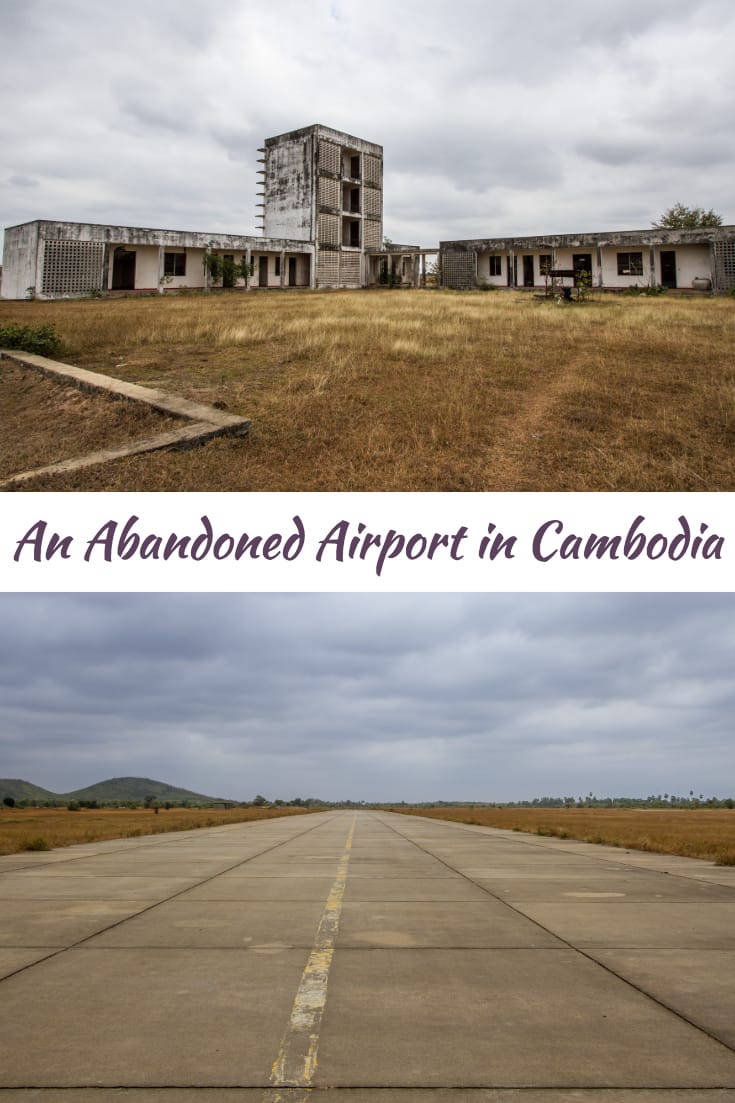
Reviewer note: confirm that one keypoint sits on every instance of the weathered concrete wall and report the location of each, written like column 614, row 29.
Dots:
column 695, row 251
column 304, row 196
column 289, row 187
column 20, row 260
column 49, row 240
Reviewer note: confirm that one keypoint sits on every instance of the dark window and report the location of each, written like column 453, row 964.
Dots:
column 174, row 264
column 278, row 266
column 355, row 167
column 630, row 264
column 544, row 264
column 496, row 268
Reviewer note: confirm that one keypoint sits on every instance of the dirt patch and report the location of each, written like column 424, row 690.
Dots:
column 45, row 421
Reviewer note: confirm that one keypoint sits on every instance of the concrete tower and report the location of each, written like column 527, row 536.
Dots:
column 324, row 186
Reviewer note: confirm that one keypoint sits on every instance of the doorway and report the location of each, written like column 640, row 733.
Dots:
column 582, row 262
column 668, row 268
column 123, row 269
column 528, row 271
column 228, row 270
column 292, row 271
column 263, row 271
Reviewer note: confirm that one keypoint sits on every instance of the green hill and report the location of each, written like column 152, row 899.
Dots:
column 135, row 788
column 23, row 790
column 113, row 790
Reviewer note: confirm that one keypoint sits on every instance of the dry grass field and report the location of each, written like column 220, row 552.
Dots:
column 420, row 390
column 45, row 421
column 694, row 833
column 43, row 828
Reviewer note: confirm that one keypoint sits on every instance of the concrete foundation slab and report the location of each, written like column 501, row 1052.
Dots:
column 672, row 925
column 37, row 923
column 369, row 1095
column 35, row 886
column 519, row 1018
column 173, row 1017
column 438, row 923
column 17, row 958
column 282, row 889
column 245, row 924
column 412, row 888
column 170, row 1002
column 612, row 887
column 699, row 984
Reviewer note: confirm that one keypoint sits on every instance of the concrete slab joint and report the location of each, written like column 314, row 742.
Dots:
column 201, row 422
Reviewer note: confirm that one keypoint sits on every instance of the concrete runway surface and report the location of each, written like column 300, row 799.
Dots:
column 364, row 958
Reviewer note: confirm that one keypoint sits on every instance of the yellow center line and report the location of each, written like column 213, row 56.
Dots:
column 295, row 1065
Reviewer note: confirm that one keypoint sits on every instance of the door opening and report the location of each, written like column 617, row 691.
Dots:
column 123, row 269
column 668, row 268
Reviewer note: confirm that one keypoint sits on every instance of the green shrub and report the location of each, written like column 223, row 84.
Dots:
column 73, row 806
column 38, row 844
column 43, row 340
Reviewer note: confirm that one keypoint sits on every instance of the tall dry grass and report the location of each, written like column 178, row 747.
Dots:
column 44, row 828
column 693, row 833
column 422, row 390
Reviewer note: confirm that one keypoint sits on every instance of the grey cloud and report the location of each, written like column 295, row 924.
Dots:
column 390, row 697
column 512, row 116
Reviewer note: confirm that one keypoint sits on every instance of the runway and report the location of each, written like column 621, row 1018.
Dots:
column 364, row 957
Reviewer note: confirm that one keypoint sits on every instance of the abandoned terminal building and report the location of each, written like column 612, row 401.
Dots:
column 701, row 259
column 322, row 223
column 321, row 214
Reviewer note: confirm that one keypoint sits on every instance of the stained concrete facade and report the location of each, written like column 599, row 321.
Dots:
column 322, row 210
column 51, row 260
column 325, row 186
column 701, row 259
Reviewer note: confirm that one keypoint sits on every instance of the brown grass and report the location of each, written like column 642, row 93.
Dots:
column 693, row 833
column 45, row 421
column 43, row 828
column 421, row 390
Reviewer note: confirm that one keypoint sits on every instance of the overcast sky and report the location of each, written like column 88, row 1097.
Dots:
column 497, row 116
column 371, row 697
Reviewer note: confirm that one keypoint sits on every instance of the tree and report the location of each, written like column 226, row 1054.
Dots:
column 680, row 217
column 9, row 802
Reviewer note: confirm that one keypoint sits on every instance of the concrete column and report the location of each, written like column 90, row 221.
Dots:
column 161, row 266
column 247, row 261
column 38, row 277
column 599, row 266
column 423, row 269
column 106, row 268
column 713, row 268
column 511, row 268
column 283, row 269
column 652, row 281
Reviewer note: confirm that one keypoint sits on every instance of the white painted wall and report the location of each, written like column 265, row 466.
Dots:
column 691, row 261
column 19, row 261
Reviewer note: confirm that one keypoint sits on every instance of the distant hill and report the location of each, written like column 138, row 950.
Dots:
column 114, row 789
column 23, row 790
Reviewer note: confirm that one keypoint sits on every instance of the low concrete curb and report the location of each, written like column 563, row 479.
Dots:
column 205, row 422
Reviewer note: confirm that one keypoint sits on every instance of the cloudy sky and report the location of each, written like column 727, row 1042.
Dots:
column 371, row 697
column 510, row 116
